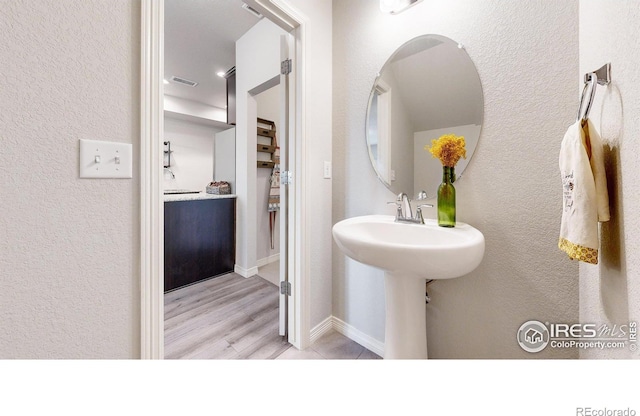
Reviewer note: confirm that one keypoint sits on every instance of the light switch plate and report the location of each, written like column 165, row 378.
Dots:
column 100, row 159
column 327, row 170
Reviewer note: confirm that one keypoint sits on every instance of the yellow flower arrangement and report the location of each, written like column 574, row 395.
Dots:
column 449, row 148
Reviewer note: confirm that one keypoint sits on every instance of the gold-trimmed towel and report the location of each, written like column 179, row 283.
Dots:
column 585, row 199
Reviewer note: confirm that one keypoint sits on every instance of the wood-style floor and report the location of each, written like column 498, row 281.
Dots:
column 231, row 317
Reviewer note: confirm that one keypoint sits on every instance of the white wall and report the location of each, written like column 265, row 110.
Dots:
column 257, row 65
column 316, row 80
column 70, row 247
column 224, row 157
column 268, row 107
column 610, row 291
column 192, row 157
column 511, row 191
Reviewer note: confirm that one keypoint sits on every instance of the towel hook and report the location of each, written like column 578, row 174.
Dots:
column 600, row 76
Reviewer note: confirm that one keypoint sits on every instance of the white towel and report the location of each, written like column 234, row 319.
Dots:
column 584, row 189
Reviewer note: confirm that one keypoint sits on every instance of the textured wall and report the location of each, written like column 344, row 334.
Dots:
column 527, row 56
column 225, row 157
column 69, row 265
column 610, row 292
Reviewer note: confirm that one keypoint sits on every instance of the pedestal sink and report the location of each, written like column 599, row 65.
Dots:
column 409, row 254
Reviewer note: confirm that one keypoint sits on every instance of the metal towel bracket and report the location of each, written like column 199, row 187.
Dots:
column 603, row 75
column 600, row 76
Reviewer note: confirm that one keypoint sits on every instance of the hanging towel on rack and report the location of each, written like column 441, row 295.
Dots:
column 584, row 189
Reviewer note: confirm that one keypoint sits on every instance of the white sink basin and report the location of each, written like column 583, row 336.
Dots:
column 409, row 254
column 421, row 250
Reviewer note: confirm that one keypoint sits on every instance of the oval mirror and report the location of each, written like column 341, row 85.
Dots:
column 427, row 88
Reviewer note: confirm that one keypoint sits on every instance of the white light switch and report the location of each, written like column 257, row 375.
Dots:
column 327, row 170
column 100, row 159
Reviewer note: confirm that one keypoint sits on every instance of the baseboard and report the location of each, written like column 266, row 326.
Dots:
column 268, row 260
column 245, row 272
column 319, row 330
column 252, row 271
column 348, row 331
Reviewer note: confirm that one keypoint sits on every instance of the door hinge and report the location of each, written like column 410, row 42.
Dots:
column 285, row 67
column 286, row 177
column 285, row 288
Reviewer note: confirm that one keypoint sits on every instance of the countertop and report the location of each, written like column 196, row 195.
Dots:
column 195, row 197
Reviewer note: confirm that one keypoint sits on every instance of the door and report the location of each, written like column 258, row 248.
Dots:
column 285, row 142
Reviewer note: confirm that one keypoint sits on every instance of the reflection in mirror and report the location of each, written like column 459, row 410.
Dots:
column 380, row 129
column 427, row 88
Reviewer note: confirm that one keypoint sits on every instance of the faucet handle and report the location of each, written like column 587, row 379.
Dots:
column 398, row 204
column 401, row 196
column 419, row 216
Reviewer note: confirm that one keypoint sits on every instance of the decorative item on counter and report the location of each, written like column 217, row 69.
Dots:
column 449, row 148
column 219, row 188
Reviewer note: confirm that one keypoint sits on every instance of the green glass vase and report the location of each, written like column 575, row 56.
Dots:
column 447, row 198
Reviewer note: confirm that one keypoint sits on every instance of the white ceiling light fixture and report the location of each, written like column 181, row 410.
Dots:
column 396, row 6
column 220, row 74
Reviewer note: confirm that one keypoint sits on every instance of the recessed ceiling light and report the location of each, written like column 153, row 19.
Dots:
column 220, row 74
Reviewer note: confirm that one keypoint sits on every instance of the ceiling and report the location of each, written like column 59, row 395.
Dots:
column 200, row 37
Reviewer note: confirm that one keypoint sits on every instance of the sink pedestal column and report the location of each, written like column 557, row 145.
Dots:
column 405, row 322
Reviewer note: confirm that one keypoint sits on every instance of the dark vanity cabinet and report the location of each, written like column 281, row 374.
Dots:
column 199, row 240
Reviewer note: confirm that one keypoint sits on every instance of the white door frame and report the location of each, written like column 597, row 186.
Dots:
column 151, row 179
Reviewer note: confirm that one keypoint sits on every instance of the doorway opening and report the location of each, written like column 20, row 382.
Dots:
column 152, row 205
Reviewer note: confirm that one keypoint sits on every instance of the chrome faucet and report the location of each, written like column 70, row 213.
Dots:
column 403, row 211
column 404, row 201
